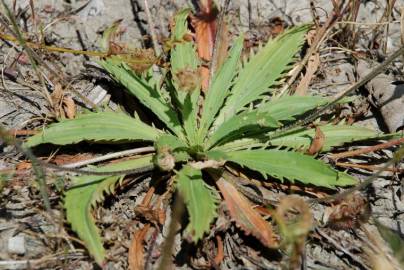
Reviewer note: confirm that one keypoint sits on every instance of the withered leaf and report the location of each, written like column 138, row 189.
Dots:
column 69, row 107
column 317, row 143
column 136, row 249
column 205, row 25
column 245, row 216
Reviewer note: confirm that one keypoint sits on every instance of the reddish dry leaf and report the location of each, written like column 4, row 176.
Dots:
column 147, row 198
column 22, row 132
column 66, row 158
column 317, row 143
column 277, row 26
column 220, row 251
column 136, row 249
column 245, row 216
column 23, row 165
column 205, row 25
column 156, row 216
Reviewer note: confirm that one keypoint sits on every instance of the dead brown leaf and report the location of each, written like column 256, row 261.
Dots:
column 149, row 195
column 23, row 165
column 57, row 96
column 136, row 249
column 63, row 159
column 69, row 107
column 317, row 143
column 156, row 216
column 220, row 251
column 205, row 25
column 245, row 216
column 277, row 26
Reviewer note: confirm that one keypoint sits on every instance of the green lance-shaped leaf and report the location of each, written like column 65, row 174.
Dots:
column 85, row 194
column 146, row 94
column 334, row 135
column 184, row 68
column 241, row 125
column 201, row 201
column 289, row 165
column 287, row 108
column 220, row 87
column 263, row 70
column 96, row 127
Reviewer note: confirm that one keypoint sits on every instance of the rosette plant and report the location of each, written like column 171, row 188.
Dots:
column 201, row 138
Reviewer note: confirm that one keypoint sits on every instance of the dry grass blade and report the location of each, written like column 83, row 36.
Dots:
column 136, row 249
column 312, row 66
column 245, row 216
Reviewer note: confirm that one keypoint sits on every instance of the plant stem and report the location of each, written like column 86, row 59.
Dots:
column 367, row 149
column 178, row 210
column 398, row 156
column 109, row 156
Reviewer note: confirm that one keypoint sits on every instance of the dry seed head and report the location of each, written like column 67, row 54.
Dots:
column 188, row 80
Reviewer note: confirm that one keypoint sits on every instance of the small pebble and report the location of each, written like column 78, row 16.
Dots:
column 16, row 245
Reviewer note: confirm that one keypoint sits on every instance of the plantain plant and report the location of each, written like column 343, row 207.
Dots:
column 204, row 137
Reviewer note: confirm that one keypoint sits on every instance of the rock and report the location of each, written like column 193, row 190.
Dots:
column 98, row 95
column 388, row 96
column 16, row 245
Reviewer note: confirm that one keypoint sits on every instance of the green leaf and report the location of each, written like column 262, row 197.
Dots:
column 96, row 127
column 287, row 107
column 289, row 165
column 146, row 94
column 263, row 70
column 200, row 199
column 335, row 135
column 184, row 59
column 86, row 193
column 220, row 87
column 189, row 116
column 241, row 125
